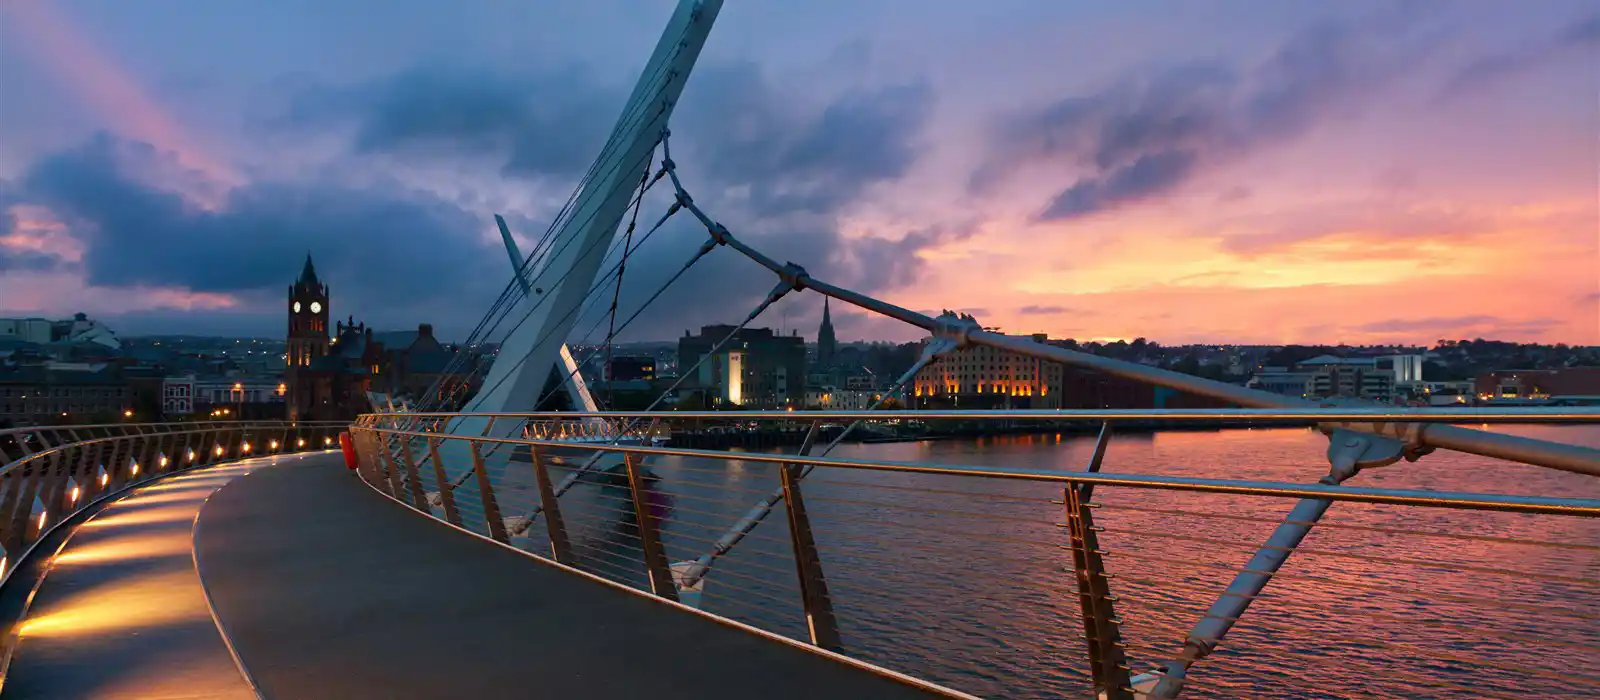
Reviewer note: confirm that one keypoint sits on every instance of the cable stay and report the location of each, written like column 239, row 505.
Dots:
column 573, row 373
column 537, row 289
column 651, row 101
column 622, row 267
column 572, row 478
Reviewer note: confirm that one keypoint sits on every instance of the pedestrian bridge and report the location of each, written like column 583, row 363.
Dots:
column 581, row 558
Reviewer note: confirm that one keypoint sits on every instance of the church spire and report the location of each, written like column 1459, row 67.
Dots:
column 826, row 343
column 308, row 275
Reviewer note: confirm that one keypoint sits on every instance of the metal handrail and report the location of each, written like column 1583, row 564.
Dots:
column 1585, row 507
column 1419, row 415
column 150, row 424
column 172, row 429
column 1420, row 429
column 406, row 456
column 71, row 472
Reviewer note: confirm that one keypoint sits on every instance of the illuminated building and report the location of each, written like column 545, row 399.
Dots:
column 983, row 377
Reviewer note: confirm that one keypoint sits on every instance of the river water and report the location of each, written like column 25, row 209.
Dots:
column 964, row 581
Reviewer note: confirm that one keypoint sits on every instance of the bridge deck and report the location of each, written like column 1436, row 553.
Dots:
column 329, row 590
column 121, row 612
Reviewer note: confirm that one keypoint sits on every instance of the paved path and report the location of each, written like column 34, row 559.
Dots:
column 121, row 613
column 329, row 590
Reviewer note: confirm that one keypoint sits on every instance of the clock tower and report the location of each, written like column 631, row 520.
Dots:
column 308, row 338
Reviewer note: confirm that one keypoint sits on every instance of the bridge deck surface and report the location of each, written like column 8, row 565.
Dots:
column 121, row 613
column 329, row 590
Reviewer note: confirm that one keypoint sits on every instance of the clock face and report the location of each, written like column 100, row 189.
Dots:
column 297, row 307
column 316, row 307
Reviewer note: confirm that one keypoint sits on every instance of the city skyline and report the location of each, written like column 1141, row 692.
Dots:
column 1377, row 172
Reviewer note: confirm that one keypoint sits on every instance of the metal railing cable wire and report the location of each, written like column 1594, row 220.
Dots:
column 637, row 111
column 932, row 569
column 48, row 474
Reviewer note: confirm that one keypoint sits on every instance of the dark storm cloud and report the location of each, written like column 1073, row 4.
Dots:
column 1148, row 134
column 732, row 122
column 549, row 124
column 777, row 171
column 1151, row 173
column 391, row 249
column 18, row 260
column 1580, row 35
column 744, row 132
column 780, row 174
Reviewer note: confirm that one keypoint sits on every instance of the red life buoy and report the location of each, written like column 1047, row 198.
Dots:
column 349, row 447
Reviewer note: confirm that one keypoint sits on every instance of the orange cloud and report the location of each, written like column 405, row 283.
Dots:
column 63, row 292
column 1520, row 272
column 36, row 229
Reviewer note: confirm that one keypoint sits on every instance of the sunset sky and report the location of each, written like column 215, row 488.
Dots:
column 1205, row 171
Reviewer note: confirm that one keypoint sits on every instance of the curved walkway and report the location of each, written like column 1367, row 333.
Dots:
column 121, row 612
column 329, row 590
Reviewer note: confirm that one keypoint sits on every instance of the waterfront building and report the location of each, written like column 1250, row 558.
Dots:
column 756, row 369
column 1538, row 383
column 982, row 377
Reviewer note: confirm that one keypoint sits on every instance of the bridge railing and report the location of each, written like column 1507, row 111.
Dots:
column 48, row 474
column 1044, row 580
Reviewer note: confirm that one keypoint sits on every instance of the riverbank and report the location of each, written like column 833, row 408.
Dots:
column 759, row 438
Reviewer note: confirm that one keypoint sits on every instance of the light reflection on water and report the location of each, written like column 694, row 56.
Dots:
column 962, row 581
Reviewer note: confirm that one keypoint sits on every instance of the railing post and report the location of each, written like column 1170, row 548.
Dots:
column 655, row 558
column 20, row 520
column 447, row 496
column 84, row 473
column 12, row 483
column 559, row 548
column 95, row 466
column 186, row 449
column 818, row 605
column 418, row 499
column 135, row 455
column 210, row 441
column 820, row 620
column 55, row 493
column 1108, row 663
column 491, row 509
column 391, row 475
column 367, row 446
column 163, row 442
column 115, row 445
column 158, row 449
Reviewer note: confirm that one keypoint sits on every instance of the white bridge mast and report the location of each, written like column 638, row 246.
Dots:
column 527, row 355
column 577, row 388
